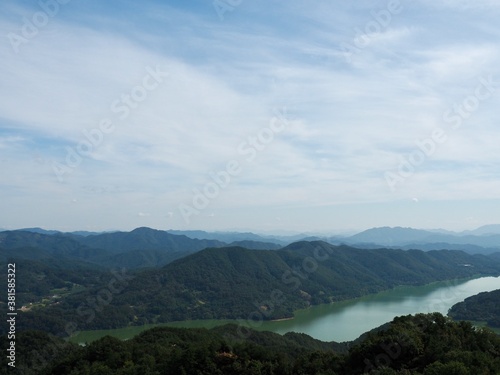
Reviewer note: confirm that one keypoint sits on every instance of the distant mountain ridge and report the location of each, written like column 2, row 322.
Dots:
column 51, row 245
column 146, row 238
column 255, row 245
column 51, row 232
column 390, row 236
column 229, row 237
column 484, row 230
column 486, row 243
column 142, row 247
column 139, row 248
column 483, row 240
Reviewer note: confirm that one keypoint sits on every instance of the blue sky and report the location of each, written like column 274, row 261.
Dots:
column 323, row 116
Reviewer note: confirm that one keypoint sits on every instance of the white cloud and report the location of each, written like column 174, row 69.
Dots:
column 463, row 5
column 348, row 123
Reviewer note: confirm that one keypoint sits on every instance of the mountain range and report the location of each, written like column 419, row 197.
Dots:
column 142, row 247
column 485, row 239
column 237, row 283
column 146, row 247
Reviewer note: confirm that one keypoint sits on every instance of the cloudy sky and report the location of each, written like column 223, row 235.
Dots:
column 319, row 116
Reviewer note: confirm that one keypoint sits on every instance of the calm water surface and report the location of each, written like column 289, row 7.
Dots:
column 345, row 321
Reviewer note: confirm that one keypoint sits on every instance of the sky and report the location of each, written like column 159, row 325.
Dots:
column 297, row 116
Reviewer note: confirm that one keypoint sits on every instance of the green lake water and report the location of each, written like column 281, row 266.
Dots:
column 344, row 321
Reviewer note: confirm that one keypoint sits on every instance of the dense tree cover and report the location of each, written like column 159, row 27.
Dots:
column 429, row 344
column 137, row 259
column 59, row 244
column 238, row 283
column 38, row 279
column 484, row 307
column 140, row 248
column 423, row 344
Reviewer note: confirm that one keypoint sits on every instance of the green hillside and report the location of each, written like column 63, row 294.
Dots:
column 237, row 283
column 483, row 307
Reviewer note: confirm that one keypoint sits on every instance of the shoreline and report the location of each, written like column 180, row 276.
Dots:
column 282, row 319
column 92, row 335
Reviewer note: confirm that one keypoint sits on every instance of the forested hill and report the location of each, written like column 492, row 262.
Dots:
column 411, row 345
column 483, row 307
column 142, row 247
column 238, row 283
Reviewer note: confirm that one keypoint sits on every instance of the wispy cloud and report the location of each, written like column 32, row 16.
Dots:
column 349, row 122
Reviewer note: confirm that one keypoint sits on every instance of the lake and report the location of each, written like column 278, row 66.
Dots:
column 345, row 321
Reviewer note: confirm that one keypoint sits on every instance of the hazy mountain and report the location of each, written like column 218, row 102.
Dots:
column 255, row 245
column 142, row 247
column 53, row 232
column 388, row 236
column 495, row 256
column 492, row 240
column 443, row 231
column 471, row 249
column 147, row 239
column 85, row 233
column 40, row 231
column 228, row 237
column 56, row 244
column 423, row 239
column 484, row 230
column 146, row 247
